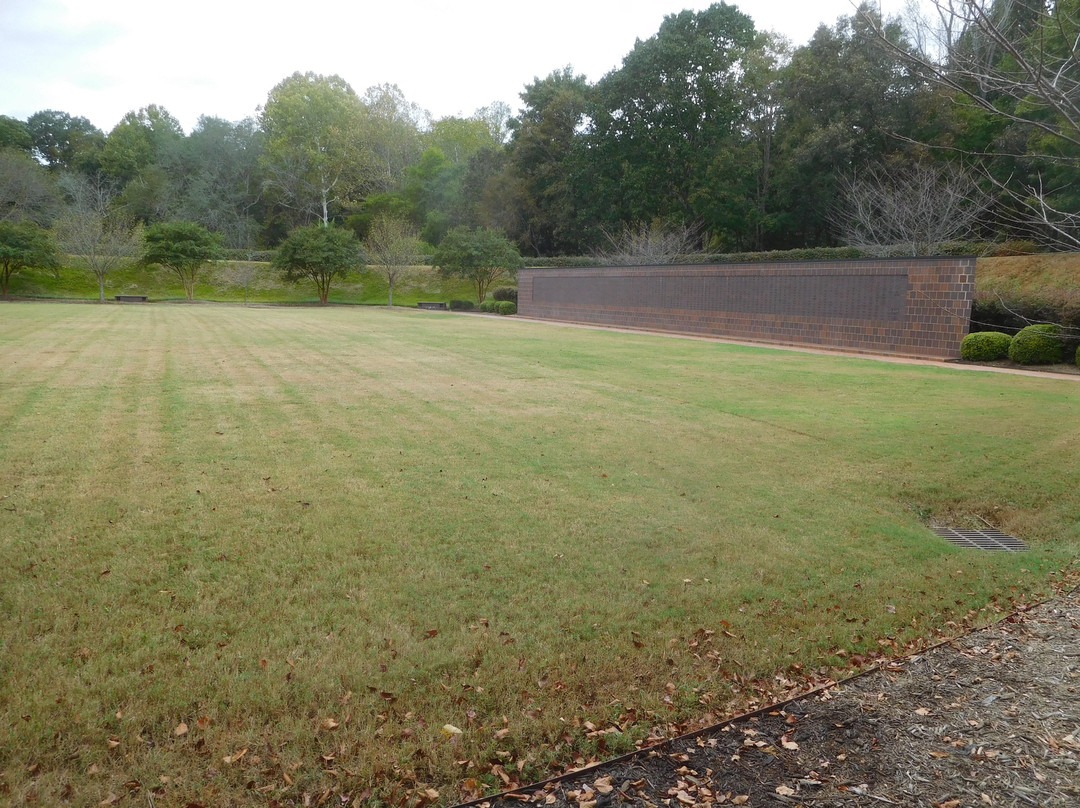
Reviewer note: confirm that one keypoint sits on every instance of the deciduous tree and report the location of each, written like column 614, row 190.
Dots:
column 65, row 142
column 23, row 245
column 314, row 156
column 658, row 119
column 318, row 253
column 183, row 247
column 479, row 255
column 91, row 231
column 27, row 191
column 1014, row 62
column 392, row 246
column 908, row 208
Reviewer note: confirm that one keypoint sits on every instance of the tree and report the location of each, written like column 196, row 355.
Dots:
column 481, row 256
column 27, row 192
column 23, row 245
column 318, row 253
column 101, row 237
column 542, row 161
column 658, row 120
column 393, row 244
column 847, row 103
column 183, row 247
column 14, row 134
column 314, row 159
column 908, row 208
column 651, row 244
column 391, row 127
column 65, row 142
column 138, row 141
column 1014, row 62
column 221, row 182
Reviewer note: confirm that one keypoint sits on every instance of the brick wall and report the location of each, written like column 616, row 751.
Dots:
column 910, row 307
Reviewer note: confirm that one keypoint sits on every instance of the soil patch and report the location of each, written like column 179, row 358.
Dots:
column 989, row 719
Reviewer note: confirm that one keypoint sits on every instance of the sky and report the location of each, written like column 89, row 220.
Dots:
column 103, row 58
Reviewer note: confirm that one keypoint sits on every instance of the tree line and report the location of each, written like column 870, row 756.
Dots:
column 709, row 127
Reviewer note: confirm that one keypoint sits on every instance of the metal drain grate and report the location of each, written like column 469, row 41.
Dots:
column 988, row 539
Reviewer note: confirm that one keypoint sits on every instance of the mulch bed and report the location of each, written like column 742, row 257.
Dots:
column 989, row 719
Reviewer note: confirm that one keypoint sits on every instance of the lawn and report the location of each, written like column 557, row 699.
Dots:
column 267, row 556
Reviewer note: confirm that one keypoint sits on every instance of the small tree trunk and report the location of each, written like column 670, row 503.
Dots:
column 391, row 303
column 101, row 288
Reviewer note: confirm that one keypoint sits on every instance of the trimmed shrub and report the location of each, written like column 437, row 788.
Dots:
column 506, row 307
column 488, row 306
column 505, row 293
column 1036, row 345
column 985, row 346
column 461, row 305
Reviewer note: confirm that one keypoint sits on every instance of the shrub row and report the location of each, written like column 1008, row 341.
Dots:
column 499, row 306
column 461, row 305
column 1039, row 344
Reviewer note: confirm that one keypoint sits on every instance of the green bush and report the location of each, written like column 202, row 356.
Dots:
column 488, row 306
column 985, row 346
column 1078, row 356
column 506, row 307
column 505, row 293
column 1037, row 345
column 461, row 305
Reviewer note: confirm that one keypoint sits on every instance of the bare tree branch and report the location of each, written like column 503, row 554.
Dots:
column 649, row 244
column 910, row 208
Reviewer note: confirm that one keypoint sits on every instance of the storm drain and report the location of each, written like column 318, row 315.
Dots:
column 988, row 539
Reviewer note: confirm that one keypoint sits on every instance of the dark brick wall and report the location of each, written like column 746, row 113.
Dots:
column 906, row 306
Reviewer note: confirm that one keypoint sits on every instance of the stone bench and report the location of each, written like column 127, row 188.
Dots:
column 435, row 305
column 130, row 298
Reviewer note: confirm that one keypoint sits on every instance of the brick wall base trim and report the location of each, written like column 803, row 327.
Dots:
column 917, row 307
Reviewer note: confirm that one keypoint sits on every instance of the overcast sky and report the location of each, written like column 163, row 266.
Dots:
column 103, row 58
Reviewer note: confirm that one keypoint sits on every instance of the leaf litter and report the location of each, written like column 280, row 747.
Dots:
column 991, row 718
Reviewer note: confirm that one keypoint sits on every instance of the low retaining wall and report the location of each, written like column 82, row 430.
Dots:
column 917, row 307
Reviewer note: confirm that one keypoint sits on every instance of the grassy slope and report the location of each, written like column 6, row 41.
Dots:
column 1030, row 276
column 251, row 521
column 236, row 281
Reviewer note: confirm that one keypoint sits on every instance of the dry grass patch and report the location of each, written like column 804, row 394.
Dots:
column 321, row 535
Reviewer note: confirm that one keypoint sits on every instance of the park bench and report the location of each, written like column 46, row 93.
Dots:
column 130, row 298
column 436, row 305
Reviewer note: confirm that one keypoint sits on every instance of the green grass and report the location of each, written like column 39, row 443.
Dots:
column 237, row 281
column 252, row 521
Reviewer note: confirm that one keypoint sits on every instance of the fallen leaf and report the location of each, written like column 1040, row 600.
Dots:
column 785, row 791
column 791, row 746
column 330, row 723
column 113, row 742
column 742, row 799
column 181, row 729
column 449, row 730
column 431, row 794
column 922, row 711
column 235, row 756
